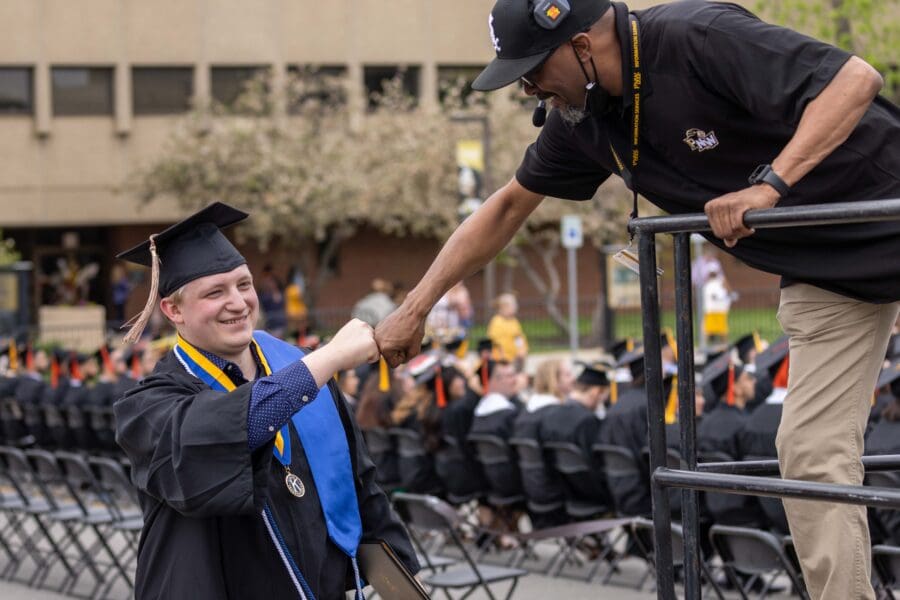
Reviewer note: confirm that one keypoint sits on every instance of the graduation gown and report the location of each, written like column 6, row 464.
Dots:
column 757, row 441
column 202, row 490
column 575, row 424
column 718, row 431
column 625, row 426
column 460, row 473
column 496, row 419
column 884, row 438
column 541, row 482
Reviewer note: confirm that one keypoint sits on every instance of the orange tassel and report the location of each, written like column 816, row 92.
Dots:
column 29, row 359
column 781, row 377
column 107, row 362
column 439, row 389
column 54, row 372
column 484, row 377
column 75, row 368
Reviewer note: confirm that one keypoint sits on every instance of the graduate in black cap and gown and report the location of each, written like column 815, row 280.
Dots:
column 252, row 475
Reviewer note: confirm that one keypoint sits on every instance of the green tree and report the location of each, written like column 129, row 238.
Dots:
column 867, row 28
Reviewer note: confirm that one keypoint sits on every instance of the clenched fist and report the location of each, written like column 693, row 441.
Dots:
column 352, row 345
column 399, row 336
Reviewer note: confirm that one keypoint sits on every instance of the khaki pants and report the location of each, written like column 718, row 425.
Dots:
column 837, row 348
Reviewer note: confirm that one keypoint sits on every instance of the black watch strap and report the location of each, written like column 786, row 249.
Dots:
column 765, row 174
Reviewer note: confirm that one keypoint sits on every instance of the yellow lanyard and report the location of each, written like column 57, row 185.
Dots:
column 626, row 173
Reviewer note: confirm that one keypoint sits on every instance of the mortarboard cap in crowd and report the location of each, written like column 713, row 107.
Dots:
column 524, row 34
column 770, row 359
column 592, row 376
column 188, row 250
column 717, row 373
column 485, row 345
column 746, row 344
column 620, row 347
column 634, row 360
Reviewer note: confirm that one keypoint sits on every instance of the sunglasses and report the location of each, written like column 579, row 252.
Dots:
column 528, row 78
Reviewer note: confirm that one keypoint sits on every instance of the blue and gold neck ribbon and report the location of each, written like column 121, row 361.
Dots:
column 328, row 454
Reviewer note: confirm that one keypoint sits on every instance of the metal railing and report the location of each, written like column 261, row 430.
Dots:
column 733, row 478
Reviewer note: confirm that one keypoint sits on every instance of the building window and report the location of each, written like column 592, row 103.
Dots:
column 15, row 91
column 228, row 83
column 455, row 86
column 376, row 77
column 82, row 91
column 162, row 90
column 323, row 84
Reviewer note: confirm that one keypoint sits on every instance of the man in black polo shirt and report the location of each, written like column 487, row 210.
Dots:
column 688, row 102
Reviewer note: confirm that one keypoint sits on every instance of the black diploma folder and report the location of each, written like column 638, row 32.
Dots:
column 381, row 568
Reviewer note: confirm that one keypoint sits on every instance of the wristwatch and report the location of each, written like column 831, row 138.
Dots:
column 765, row 174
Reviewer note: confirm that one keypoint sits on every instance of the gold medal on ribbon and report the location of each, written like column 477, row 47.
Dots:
column 294, row 484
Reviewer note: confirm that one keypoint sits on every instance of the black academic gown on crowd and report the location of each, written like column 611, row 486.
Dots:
column 575, row 424
column 541, row 483
column 503, row 478
column 202, row 491
column 884, row 438
column 461, row 477
column 757, row 441
column 719, row 431
column 625, row 426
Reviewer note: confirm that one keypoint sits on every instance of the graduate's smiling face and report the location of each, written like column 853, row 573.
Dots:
column 216, row 313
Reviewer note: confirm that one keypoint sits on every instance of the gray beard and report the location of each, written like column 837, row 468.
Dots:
column 571, row 114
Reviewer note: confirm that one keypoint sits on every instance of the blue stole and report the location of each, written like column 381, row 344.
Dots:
column 328, row 454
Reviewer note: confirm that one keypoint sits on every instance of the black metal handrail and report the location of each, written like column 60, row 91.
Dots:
column 773, row 218
column 721, row 477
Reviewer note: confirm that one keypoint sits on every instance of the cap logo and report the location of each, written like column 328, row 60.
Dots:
column 494, row 39
column 553, row 12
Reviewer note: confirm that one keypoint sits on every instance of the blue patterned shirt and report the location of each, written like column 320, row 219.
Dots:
column 274, row 398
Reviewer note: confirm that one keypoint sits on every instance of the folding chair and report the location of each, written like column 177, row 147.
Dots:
column 588, row 495
column 69, row 511
column 542, row 486
column 643, row 536
column 624, row 478
column 756, row 553
column 499, row 468
column 431, row 514
column 416, row 466
column 27, row 501
column 102, row 423
column 12, row 419
column 57, row 425
column 886, row 568
column 381, row 450
column 461, row 476
column 98, row 511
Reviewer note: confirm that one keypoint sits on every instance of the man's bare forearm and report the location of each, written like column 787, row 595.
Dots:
column 829, row 120
column 474, row 243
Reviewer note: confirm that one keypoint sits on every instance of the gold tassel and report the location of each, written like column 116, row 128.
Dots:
column 139, row 322
column 672, row 403
column 757, row 342
column 13, row 356
column 671, row 341
column 613, row 391
column 384, row 376
column 463, row 348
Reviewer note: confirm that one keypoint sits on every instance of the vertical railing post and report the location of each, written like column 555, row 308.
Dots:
column 684, row 320
column 662, row 519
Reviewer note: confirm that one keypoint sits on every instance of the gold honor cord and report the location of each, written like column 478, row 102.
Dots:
column 217, row 373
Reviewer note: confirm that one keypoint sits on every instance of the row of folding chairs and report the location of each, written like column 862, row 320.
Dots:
column 48, row 425
column 71, row 522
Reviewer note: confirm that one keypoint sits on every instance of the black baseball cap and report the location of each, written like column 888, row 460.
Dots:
column 522, row 44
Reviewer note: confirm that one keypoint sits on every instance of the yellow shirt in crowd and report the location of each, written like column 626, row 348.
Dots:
column 507, row 335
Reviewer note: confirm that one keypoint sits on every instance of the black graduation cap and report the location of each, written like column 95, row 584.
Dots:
column 485, row 345
column 771, row 358
column 747, row 343
column 454, row 343
column 592, row 376
column 716, row 373
column 889, row 374
column 193, row 248
column 634, row 360
column 620, row 347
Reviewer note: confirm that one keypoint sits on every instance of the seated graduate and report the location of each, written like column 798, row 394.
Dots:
column 884, row 438
column 223, row 518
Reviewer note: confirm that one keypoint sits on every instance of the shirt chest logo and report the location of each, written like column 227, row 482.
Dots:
column 700, row 141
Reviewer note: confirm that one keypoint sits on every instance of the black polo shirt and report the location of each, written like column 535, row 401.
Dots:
column 724, row 92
